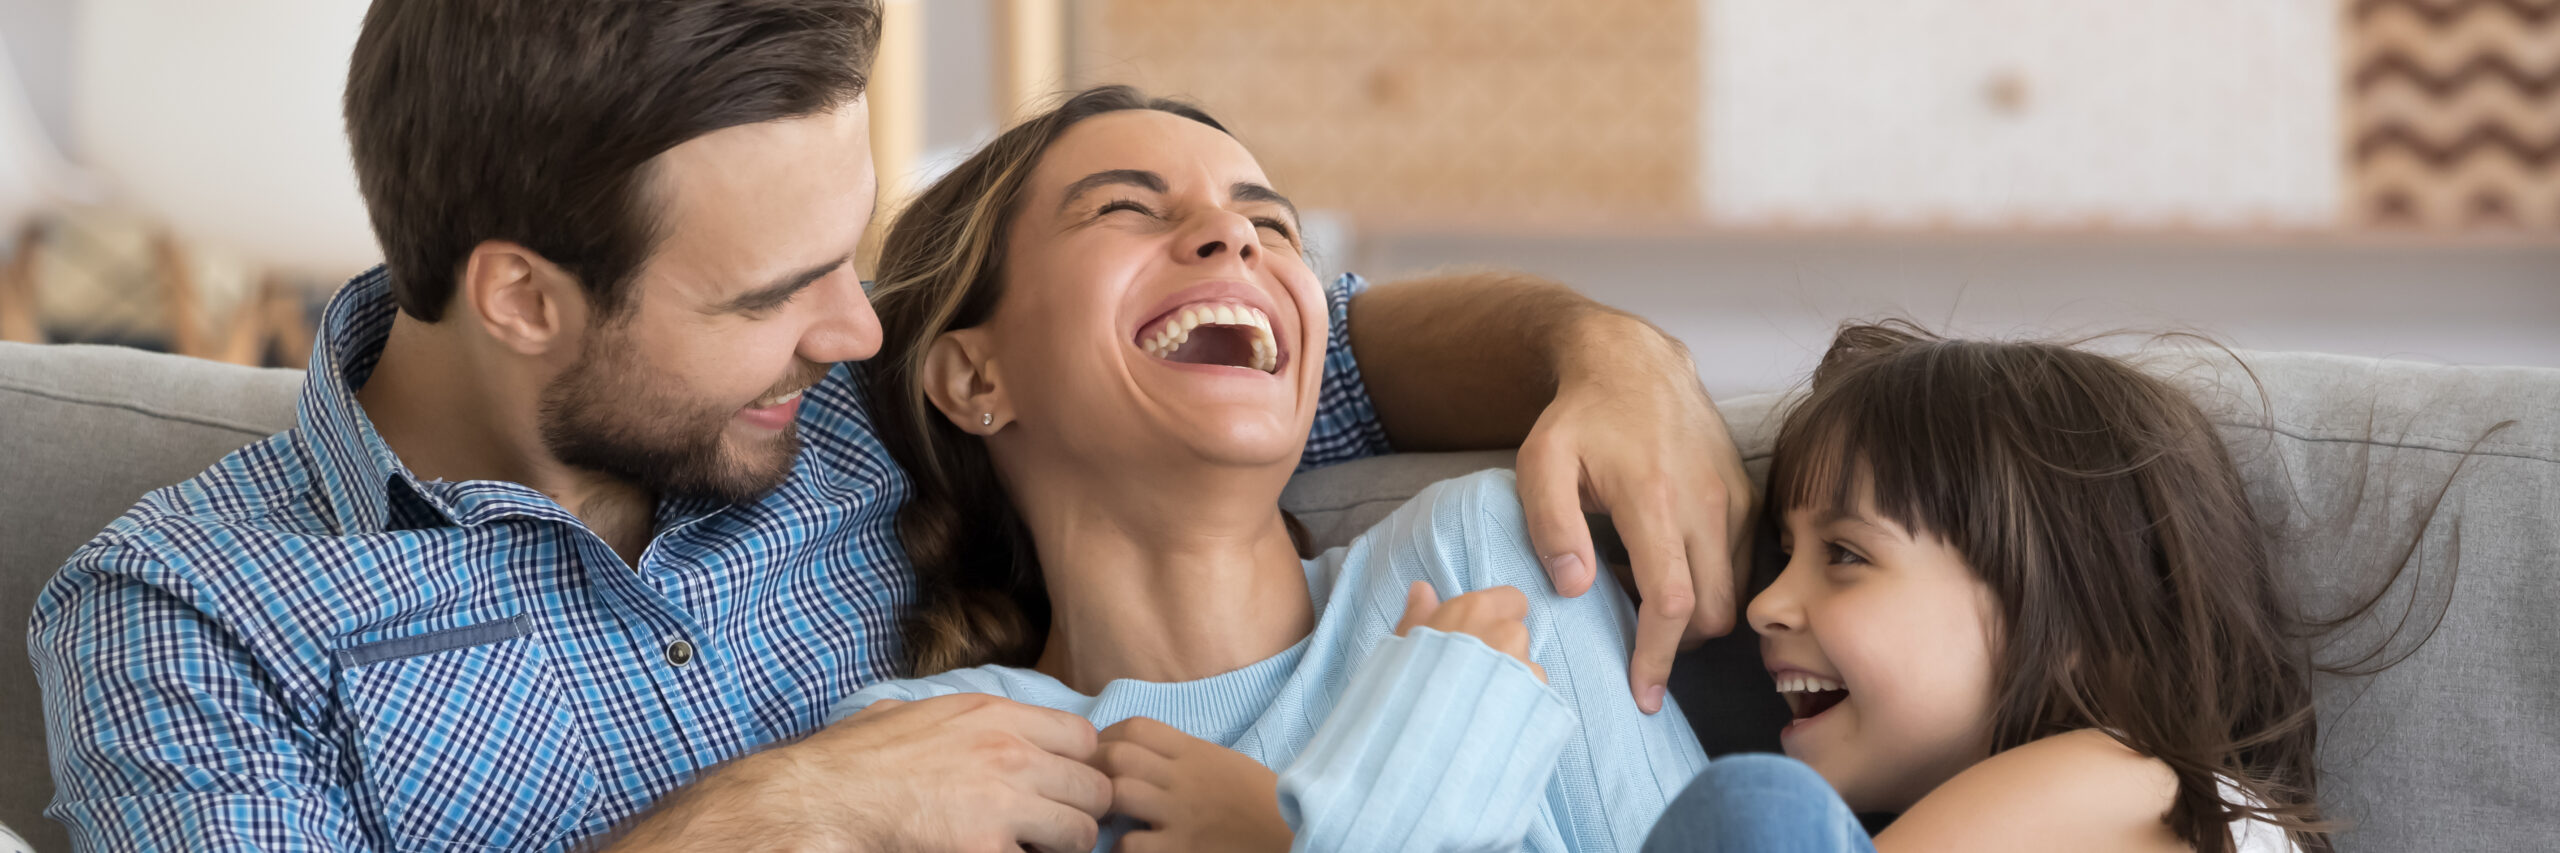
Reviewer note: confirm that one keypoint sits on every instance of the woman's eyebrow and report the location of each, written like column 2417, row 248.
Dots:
column 1249, row 191
column 1139, row 178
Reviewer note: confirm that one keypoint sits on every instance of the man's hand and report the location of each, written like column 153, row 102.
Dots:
column 1609, row 417
column 965, row 773
column 1632, row 434
column 1496, row 615
column 1192, row 794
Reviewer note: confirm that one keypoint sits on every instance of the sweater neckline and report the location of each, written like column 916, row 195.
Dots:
column 1218, row 708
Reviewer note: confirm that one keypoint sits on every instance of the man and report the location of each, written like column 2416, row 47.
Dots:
column 582, row 526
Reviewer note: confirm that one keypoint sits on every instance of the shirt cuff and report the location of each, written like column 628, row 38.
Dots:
column 1346, row 424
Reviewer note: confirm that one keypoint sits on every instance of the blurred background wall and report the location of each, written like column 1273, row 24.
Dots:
column 2379, row 177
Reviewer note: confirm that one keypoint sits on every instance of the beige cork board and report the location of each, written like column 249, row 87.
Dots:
column 1446, row 112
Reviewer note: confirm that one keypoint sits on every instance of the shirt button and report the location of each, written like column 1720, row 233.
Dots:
column 679, row 653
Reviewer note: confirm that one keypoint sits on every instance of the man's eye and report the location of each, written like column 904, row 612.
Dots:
column 1125, row 205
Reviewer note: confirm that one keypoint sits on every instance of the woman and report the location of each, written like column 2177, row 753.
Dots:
column 1103, row 355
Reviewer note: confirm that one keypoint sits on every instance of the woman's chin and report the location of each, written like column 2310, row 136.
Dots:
column 1246, row 442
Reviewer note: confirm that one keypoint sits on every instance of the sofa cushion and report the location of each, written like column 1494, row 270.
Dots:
column 84, row 432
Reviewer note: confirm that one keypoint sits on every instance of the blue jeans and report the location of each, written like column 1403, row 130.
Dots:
column 1758, row 803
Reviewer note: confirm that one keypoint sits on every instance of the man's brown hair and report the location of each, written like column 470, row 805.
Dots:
column 535, row 121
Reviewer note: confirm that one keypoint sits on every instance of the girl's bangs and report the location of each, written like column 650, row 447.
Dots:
column 1855, row 446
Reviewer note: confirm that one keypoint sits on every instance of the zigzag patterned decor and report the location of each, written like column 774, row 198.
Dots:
column 2454, row 110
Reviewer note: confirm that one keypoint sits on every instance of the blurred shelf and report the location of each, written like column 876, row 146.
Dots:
column 2020, row 234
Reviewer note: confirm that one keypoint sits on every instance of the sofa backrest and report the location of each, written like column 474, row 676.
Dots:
column 84, row 432
column 2459, row 746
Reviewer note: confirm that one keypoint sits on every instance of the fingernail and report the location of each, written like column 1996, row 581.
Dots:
column 1559, row 564
column 1653, row 699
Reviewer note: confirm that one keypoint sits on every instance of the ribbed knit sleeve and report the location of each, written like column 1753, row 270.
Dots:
column 1439, row 742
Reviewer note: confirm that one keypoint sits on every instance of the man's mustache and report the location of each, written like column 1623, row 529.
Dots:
column 805, row 374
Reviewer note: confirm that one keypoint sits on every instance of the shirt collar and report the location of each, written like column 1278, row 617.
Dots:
column 359, row 475
column 367, row 487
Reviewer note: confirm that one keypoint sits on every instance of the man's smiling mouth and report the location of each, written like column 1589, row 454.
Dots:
column 777, row 400
column 1215, row 332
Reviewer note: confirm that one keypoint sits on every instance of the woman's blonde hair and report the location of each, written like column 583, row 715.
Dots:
column 980, row 598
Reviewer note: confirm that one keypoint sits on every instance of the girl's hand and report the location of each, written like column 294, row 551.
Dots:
column 1192, row 794
column 1497, row 615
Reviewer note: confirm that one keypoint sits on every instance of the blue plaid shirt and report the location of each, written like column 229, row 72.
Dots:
column 308, row 648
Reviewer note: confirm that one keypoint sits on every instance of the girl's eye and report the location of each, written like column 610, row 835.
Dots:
column 1841, row 556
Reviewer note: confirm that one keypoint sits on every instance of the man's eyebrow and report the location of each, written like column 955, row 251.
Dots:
column 1139, row 178
column 1250, row 191
column 782, row 289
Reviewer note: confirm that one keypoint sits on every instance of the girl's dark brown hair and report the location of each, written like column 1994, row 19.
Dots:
column 980, row 598
column 2136, row 588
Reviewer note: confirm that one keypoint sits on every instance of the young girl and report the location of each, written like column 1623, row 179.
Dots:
column 1102, row 352
column 2026, row 605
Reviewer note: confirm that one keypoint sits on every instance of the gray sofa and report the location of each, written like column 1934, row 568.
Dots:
column 2458, row 748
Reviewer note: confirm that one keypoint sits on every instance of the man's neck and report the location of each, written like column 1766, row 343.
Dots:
column 452, row 411
column 1164, row 584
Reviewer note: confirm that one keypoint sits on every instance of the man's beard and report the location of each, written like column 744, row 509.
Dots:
column 603, row 415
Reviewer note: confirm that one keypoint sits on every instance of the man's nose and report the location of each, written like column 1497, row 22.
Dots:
column 848, row 330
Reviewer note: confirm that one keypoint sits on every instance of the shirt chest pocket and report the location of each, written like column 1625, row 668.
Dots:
column 466, row 738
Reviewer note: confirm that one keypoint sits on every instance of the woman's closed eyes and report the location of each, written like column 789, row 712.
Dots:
column 1287, row 235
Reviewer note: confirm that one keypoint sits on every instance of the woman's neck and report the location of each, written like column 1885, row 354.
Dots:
column 1164, row 584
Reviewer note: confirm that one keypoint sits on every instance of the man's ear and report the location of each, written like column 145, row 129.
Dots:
column 961, row 379
column 520, row 298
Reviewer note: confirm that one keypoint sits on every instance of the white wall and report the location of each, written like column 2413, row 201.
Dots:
column 38, row 33
column 223, row 118
column 2146, row 112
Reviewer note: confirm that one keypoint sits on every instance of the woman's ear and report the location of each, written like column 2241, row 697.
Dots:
column 960, row 377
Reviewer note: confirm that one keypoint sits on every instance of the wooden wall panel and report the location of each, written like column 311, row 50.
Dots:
column 1432, row 112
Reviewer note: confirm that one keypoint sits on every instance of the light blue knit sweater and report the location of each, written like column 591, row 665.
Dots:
column 1430, row 741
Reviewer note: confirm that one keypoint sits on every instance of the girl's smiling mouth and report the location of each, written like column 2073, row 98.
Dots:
column 1808, row 696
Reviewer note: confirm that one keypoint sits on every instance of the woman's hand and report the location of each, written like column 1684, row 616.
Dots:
column 1192, row 794
column 1497, row 615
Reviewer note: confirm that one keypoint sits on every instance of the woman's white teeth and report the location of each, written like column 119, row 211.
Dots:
column 1176, row 331
column 1807, row 684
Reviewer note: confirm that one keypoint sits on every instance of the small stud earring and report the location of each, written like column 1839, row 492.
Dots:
column 987, row 419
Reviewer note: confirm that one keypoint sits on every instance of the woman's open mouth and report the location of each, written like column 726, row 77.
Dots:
column 1218, row 332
